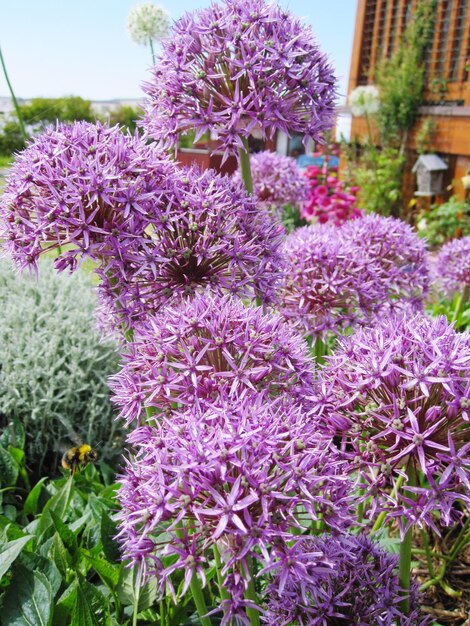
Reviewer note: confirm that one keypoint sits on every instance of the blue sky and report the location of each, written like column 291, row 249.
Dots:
column 81, row 47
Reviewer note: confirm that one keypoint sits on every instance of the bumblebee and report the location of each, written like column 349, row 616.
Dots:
column 78, row 457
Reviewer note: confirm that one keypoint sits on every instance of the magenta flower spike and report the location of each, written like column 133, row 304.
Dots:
column 239, row 68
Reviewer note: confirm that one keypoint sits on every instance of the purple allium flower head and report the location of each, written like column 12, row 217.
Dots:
column 239, row 475
column 327, row 284
column 277, row 180
column 239, row 68
column 189, row 355
column 361, row 587
column 453, row 265
column 78, row 184
column 397, row 254
column 399, row 397
column 205, row 232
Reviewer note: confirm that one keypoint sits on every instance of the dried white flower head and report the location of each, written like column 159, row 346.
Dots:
column 364, row 100
column 148, row 22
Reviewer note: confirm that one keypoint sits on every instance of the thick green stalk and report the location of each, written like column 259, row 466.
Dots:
column 199, row 601
column 381, row 518
column 136, row 580
column 404, row 568
column 224, row 595
column 245, row 168
column 251, row 594
column 461, row 302
column 320, row 350
column 14, row 100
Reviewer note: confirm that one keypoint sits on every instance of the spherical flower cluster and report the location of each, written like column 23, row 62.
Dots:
column 364, row 100
column 205, row 233
column 191, row 354
column 236, row 69
column 398, row 255
column 159, row 233
column 360, row 586
column 277, row 181
column 398, row 394
column 237, row 476
column 329, row 200
column 79, row 186
column 148, row 22
column 453, row 265
column 327, row 284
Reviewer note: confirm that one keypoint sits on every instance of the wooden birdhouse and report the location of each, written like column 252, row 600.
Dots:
column 429, row 170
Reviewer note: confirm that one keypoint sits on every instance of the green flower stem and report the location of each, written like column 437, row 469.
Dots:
column 251, row 594
column 14, row 100
column 245, row 168
column 461, row 302
column 404, row 567
column 224, row 595
column 199, row 601
column 428, row 552
column 381, row 518
column 320, row 350
column 152, row 51
column 136, row 581
column 462, row 539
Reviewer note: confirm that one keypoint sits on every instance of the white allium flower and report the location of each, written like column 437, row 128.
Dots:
column 364, row 100
column 148, row 22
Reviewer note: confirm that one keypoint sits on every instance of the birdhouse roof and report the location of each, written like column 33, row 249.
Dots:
column 430, row 162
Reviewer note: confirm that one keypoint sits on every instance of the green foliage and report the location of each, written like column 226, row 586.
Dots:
column 60, row 563
column 54, row 366
column 379, row 177
column 445, row 221
column 401, row 77
column 42, row 111
column 456, row 310
column 425, row 135
column 11, row 139
column 291, row 218
column 125, row 115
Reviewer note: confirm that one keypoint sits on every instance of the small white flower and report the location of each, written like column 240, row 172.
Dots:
column 148, row 22
column 364, row 100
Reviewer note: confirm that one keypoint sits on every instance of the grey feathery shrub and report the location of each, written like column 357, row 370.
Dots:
column 53, row 363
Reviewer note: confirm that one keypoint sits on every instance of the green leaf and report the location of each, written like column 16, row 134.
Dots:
column 59, row 504
column 125, row 589
column 13, row 434
column 67, row 536
column 65, row 604
column 59, row 555
column 8, row 468
column 10, row 552
column 32, row 561
column 30, row 505
column 91, row 607
column 108, row 572
column 28, row 600
column 108, row 531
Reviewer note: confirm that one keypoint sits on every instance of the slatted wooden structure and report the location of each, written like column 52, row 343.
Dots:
column 379, row 27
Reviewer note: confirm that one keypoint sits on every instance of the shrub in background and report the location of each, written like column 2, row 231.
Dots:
column 53, row 366
column 446, row 221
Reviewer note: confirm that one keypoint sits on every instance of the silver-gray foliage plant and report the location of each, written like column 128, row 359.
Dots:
column 53, row 363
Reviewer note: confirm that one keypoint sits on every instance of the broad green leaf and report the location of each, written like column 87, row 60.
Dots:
column 108, row 531
column 30, row 505
column 59, row 504
column 91, row 607
column 126, row 586
column 28, row 599
column 65, row 605
column 32, row 561
column 8, row 468
column 10, row 552
column 59, row 555
column 67, row 536
column 108, row 572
